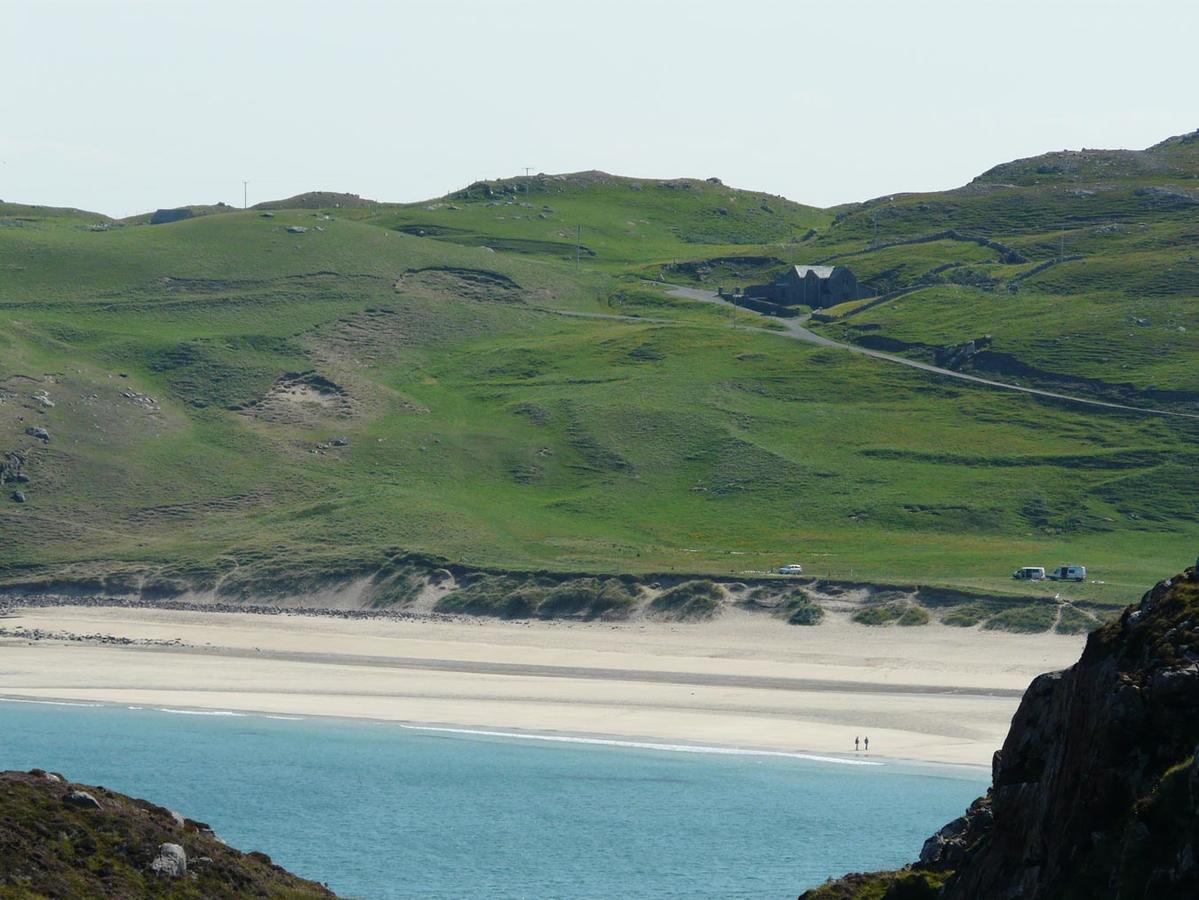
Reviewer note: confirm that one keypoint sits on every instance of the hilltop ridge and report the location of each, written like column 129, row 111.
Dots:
column 319, row 200
column 1176, row 156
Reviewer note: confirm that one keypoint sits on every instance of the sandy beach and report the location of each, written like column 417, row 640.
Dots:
column 933, row 694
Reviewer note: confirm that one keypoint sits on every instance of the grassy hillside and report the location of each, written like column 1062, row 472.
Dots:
column 302, row 394
column 1090, row 280
column 23, row 215
column 615, row 224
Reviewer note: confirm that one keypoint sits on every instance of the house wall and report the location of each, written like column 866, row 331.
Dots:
column 810, row 290
column 842, row 286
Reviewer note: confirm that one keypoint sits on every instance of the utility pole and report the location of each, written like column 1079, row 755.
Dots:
column 245, row 194
column 528, row 171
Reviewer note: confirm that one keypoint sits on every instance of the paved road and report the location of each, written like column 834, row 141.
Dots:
column 795, row 330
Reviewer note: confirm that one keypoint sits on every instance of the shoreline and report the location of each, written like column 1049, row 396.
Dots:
column 594, row 739
column 742, row 682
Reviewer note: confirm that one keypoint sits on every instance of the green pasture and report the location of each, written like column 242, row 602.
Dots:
column 491, row 400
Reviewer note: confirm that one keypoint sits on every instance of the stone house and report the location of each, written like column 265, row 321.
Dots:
column 814, row 286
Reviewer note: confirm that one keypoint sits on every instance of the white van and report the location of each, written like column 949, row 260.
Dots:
column 793, row 569
column 1069, row 573
column 1030, row 573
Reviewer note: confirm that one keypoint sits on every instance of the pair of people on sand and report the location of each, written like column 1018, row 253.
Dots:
column 857, row 741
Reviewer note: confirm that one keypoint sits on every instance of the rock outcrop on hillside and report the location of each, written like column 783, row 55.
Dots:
column 59, row 839
column 1095, row 792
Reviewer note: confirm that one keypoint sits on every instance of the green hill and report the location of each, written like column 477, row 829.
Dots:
column 494, row 378
column 24, row 215
column 1097, row 292
column 615, row 224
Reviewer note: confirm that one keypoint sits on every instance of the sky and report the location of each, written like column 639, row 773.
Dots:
column 123, row 106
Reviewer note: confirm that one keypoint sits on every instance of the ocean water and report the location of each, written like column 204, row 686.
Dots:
column 380, row 810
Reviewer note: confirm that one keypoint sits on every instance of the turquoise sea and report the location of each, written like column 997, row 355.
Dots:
column 382, row 810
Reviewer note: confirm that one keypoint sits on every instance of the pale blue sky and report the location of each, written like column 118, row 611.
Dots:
column 126, row 105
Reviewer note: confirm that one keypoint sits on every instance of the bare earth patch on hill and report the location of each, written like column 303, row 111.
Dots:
column 303, row 398
column 381, row 334
column 470, row 284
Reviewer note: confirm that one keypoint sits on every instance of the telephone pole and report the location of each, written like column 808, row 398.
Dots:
column 245, row 194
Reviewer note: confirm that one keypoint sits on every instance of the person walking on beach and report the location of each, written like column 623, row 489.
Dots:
column 856, row 742
column 867, row 742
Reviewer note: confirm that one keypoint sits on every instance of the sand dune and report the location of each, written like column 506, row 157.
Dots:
column 933, row 693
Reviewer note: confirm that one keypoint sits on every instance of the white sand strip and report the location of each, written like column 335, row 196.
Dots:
column 932, row 693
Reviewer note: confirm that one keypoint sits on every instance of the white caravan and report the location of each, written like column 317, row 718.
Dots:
column 1069, row 573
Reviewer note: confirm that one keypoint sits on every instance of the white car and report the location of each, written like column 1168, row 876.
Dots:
column 793, row 569
column 1030, row 573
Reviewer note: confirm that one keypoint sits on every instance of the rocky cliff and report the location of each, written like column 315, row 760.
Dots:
column 1095, row 792
column 59, row 839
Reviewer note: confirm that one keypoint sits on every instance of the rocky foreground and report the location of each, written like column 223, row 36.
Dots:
column 59, row 839
column 1095, row 792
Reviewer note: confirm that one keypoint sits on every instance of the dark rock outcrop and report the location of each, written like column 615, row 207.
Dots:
column 1166, row 197
column 58, row 839
column 11, row 464
column 947, row 848
column 1089, row 795
column 1096, row 790
column 954, row 356
column 166, row 216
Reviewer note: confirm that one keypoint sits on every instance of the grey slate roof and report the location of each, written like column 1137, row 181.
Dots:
column 819, row 271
